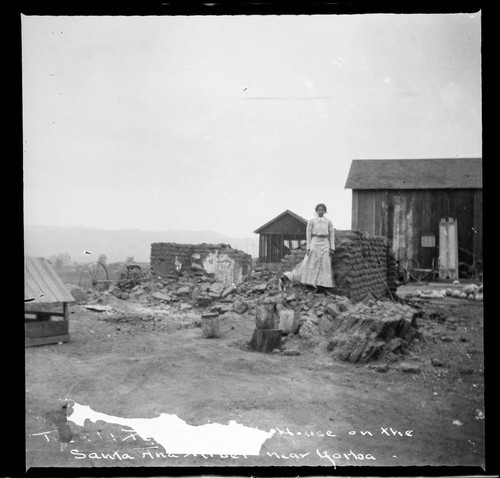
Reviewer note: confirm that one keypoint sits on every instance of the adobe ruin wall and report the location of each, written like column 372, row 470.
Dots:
column 362, row 264
column 227, row 265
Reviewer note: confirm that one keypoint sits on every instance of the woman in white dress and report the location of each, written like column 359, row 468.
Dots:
column 316, row 269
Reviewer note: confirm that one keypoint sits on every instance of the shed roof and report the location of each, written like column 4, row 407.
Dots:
column 42, row 284
column 296, row 216
column 444, row 173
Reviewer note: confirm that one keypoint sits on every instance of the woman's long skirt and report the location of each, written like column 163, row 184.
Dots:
column 316, row 269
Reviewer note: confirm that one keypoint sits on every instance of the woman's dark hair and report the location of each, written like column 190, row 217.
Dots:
column 320, row 205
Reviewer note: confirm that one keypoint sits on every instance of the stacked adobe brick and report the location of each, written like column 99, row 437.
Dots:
column 171, row 259
column 362, row 264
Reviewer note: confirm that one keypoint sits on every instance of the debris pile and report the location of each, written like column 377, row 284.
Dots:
column 373, row 331
column 469, row 292
column 356, row 332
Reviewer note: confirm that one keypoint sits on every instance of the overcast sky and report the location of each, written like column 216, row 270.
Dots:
column 223, row 122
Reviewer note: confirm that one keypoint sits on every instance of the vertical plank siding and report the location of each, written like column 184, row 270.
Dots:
column 426, row 255
column 355, row 210
column 274, row 247
column 278, row 237
column 477, row 241
column 404, row 216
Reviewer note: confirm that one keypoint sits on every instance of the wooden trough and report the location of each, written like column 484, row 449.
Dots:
column 46, row 298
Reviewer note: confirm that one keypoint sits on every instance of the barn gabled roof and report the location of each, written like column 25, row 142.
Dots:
column 296, row 216
column 452, row 173
column 42, row 284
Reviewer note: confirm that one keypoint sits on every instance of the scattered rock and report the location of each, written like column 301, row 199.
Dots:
column 183, row 291
column 99, row 308
column 381, row 368
column 308, row 330
column 260, row 288
column 466, row 371
column 161, row 296
column 240, row 306
column 369, row 300
column 222, row 308
column 407, row 367
column 432, row 294
column 437, row 362
column 392, row 357
column 333, row 310
column 344, row 305
column 203, row 300
column 216, row 290
column 470, row 289
column 228, row 290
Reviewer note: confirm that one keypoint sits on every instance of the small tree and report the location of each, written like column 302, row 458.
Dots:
column 129, row 260
column 60, row 260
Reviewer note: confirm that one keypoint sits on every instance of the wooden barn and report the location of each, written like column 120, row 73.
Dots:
column 280, row 236
column 413, row 202
column 46, row 298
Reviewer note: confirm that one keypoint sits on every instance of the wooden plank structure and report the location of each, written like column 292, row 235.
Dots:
column 280, row 236
column 405, row 201
column 44, row 292
column 448, row 249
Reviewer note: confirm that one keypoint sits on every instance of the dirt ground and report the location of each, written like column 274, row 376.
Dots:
column 425, row 409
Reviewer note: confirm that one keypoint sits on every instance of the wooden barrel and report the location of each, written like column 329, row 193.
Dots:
column 210, row 325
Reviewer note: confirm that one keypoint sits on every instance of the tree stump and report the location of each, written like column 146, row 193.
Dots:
column 210, row 325
column 266, row 337
column 264, row 316
column 266, row 340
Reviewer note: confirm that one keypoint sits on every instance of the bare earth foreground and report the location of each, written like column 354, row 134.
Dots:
column 155, row 393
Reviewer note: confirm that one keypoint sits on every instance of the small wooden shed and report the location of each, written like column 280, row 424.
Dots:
column 281, row 235
column 46, row 299
column 407, row 200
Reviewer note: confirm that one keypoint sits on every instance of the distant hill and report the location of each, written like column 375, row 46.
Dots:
column 86, row 244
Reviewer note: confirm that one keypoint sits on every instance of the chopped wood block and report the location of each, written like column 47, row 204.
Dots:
column 264, row 316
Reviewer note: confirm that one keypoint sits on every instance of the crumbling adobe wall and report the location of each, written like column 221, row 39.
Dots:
column 227, row 265
column 362, row 264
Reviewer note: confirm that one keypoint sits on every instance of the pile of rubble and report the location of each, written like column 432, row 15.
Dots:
column 356, row 332
column 469, row 292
